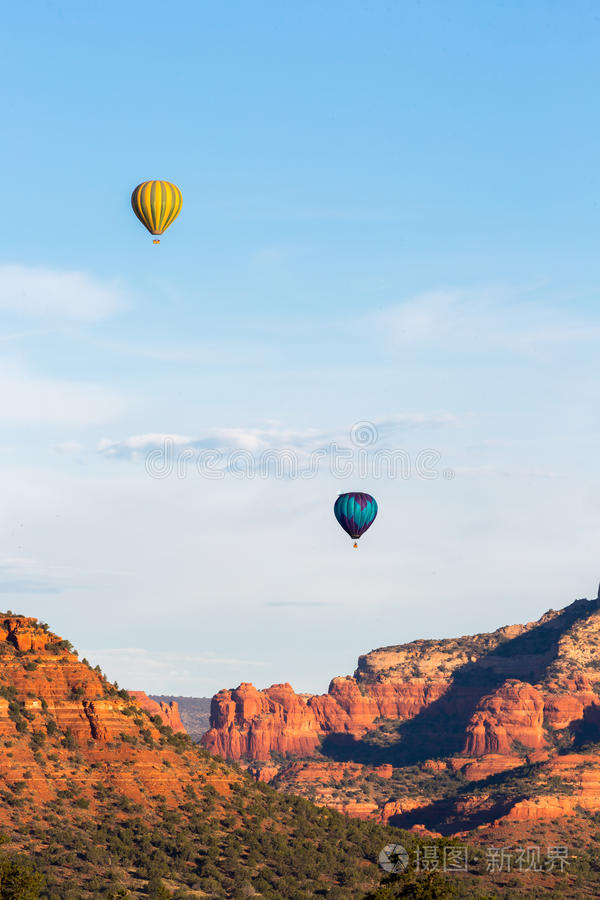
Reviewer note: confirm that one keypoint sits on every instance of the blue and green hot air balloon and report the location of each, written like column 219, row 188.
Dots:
column 355, row 512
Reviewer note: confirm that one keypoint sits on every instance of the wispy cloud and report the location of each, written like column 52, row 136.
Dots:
column 55, row 294
column 275, row 437
column 504, row 317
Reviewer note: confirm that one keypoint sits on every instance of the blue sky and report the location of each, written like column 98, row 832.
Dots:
column 391, row 215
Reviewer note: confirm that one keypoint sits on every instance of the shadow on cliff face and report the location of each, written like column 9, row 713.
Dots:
column 586, row 731
column 444, row 817
column 438, row 731
column 496, row 795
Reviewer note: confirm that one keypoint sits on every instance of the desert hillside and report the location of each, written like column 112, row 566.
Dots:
column 106, row 800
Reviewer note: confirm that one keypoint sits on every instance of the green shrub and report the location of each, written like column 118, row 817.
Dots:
column 37, row 739
column 156, row 890
column 69, row 740
column 19, row 880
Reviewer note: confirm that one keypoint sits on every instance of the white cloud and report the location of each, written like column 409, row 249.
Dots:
column 138, row 445
column 274, row 437
column 53, row 294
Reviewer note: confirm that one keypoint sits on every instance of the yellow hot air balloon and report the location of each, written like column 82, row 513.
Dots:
column 156, row 204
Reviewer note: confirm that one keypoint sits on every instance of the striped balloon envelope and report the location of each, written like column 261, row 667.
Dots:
column 156, row 204
column 355, row 512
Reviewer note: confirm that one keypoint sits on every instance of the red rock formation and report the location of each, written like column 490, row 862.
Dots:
column 491, row 764
column 25, row 633
column 546, row 679
column 66, row 728
column 312, row 772
column 247, row 723
column 356, row 809
column 398, row 807
column 265, row 774
column 562, row 710
column 250, row 723
column 514, row 712
column 577, row 771
column 168, row 712
column 400, row 682
column 435, row 765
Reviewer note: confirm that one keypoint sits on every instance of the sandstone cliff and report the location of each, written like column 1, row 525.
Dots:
column 479, row 706
column 52, row 702
column 484, row 692
column 168, row 712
